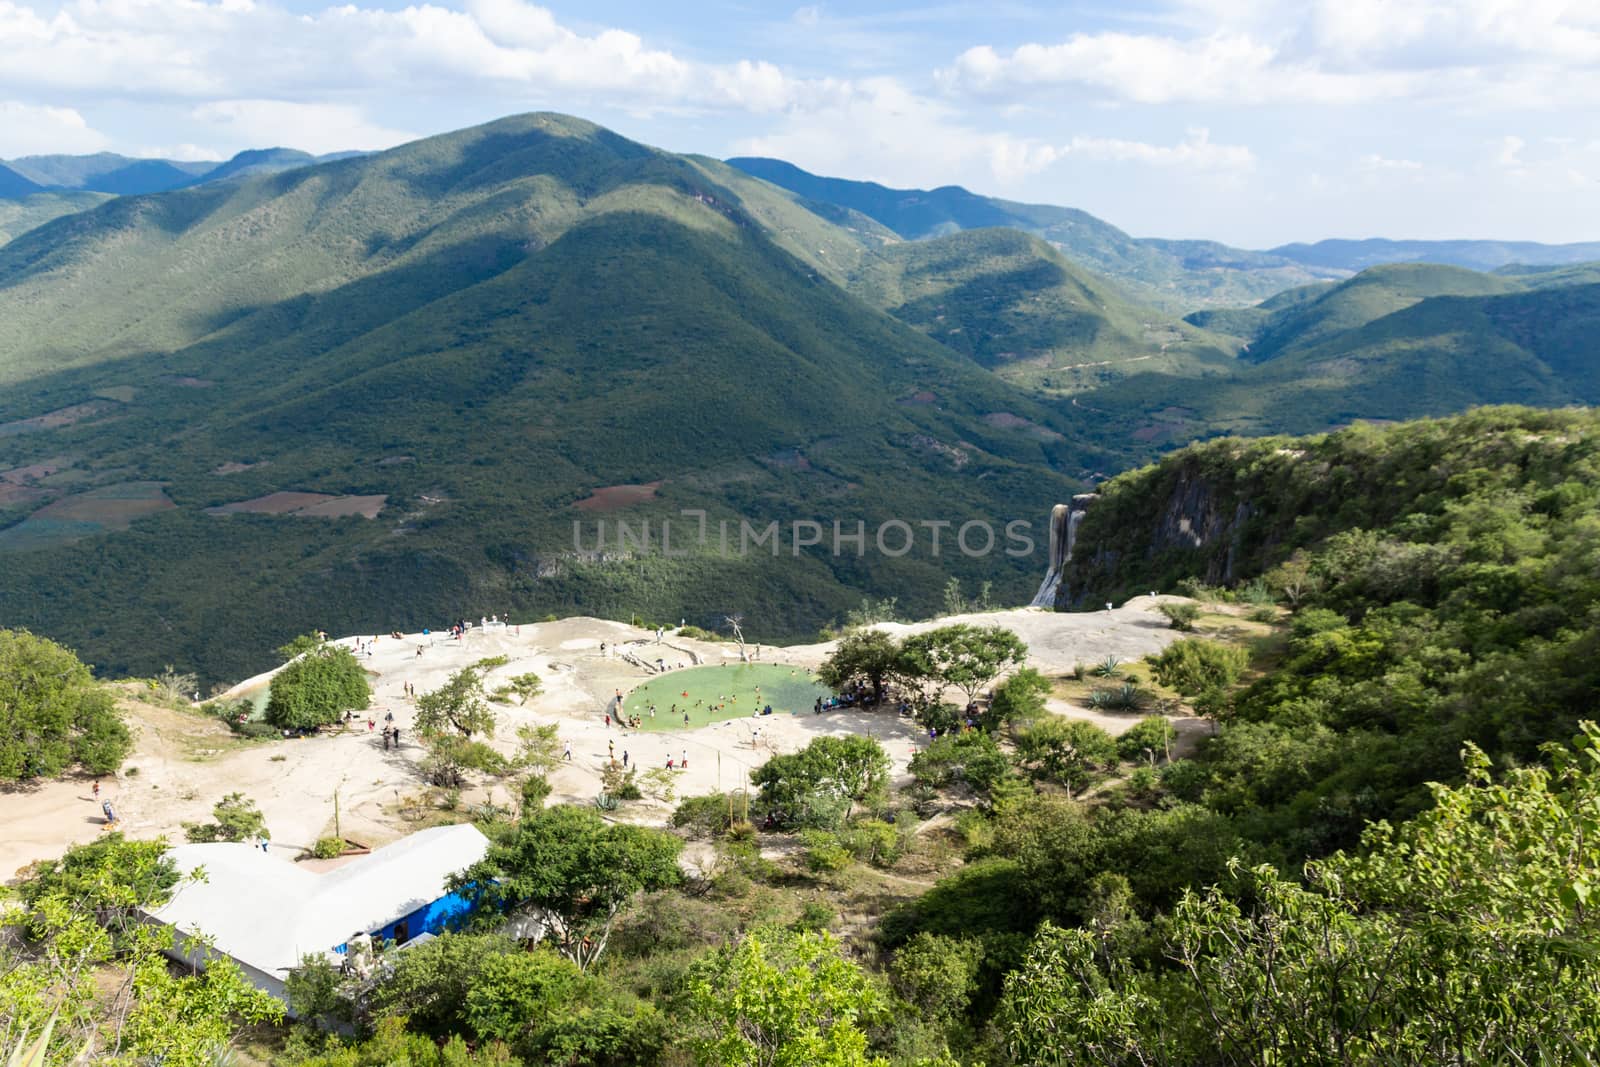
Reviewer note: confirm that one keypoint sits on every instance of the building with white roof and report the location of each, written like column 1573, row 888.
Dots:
column 266, row 914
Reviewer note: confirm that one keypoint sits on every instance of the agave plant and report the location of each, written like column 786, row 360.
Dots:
column 1109, row 667
column 606, row 802
column 24, row 1054
column 1125, row 697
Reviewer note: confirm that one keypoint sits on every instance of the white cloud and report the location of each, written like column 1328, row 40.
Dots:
column 1491, row 52
column 1376, row 163
column 32, row 129
column 1197, row 151
column 314, row 128
column 235, row 49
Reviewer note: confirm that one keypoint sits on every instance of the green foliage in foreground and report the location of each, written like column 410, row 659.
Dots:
column 76, row 953
column 317, row 688
column 52, row 712
column 1464, row 936
column 577, row 870
column 782, row 999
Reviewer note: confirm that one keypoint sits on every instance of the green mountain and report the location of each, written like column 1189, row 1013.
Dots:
column 466, row 337
column 1393, row 343
column 1173, row 275
column 14, row 185
column 107, row 172
column 1476, row 255
column 1014, row 304
column 1301, row 320
column 21, row 215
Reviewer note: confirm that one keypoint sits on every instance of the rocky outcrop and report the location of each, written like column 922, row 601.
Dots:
column 1200, row 529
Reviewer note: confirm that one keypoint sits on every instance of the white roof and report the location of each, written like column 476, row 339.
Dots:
column 267, row 913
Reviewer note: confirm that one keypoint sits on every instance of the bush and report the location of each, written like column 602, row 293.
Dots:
column 1262, row 613
column 1195, row 666
column 825, row 853
column 1146, row 738
column 327, row 848
column 236, row 819
column 704, row 816
column 697, row 634
column 1183, row 615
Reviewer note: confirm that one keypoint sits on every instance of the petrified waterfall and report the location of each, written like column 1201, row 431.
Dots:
column 1064, row 520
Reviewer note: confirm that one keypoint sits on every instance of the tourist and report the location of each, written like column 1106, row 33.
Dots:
column 567, row 755
column 397, row 737
column 624, row 758
column 685, row 762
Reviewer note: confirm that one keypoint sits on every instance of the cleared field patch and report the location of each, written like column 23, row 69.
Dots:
column 612, row 497
column 12, row 494
column 305, row 506
column 110, row 507
column 51, row 420
column 234, row 468
column 32, row 472
column 281, row 503
column 340, row 506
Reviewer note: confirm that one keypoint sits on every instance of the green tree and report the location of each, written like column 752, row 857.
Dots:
column 1182, row 615
column 52, row 713
column 1148, row 739
column 1018, row 701
column 961, row 655
column 869, row 654
column 522, row 686
column 457, row 705
column 820, row 785
column 575, row 869
column 316, row 687
column 235, row 818
column 938, row 974
column 973, row 757
column 782, row 998
column 1067, row 751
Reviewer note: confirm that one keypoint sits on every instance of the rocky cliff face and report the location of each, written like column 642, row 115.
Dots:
column 1200, row 528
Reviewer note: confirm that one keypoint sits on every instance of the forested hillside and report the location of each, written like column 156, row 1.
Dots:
column 464, row 338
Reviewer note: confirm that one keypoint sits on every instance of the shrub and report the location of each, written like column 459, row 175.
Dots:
column 1262, row 613
column 1182, row 615
column 825, row 853
column 703, row 816
column 1147, row 737
column 236, row 819
column 327, row 848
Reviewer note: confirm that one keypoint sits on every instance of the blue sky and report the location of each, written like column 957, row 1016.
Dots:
column 1249, row 121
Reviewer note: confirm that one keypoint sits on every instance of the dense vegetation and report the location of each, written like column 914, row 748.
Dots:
column 53, row 714
column 486, row 367
column 1382, row 850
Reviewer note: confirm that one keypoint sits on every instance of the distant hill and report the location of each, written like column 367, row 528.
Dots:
column 14, row 185
column 1394, row 342
column 1174, row 275
column 467, row 337
column 107, row 172
column 1350, row 255
column 21, row 215
column 1368, row 296
column 1014, row 304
